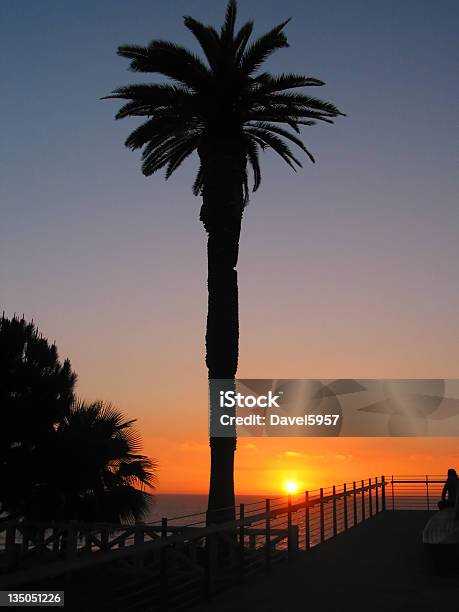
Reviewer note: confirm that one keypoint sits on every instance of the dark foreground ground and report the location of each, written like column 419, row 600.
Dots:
column 380, row 565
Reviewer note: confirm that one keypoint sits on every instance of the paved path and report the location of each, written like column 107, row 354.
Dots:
column 378, row 566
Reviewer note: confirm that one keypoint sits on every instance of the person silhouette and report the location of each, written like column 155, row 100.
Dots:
column 450, row 490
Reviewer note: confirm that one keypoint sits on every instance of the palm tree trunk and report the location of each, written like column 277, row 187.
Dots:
column 221, row 214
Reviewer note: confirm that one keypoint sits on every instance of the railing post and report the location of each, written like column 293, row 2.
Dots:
column 139, row 540
column 25, row 540
column 363, row 501
column 335, row 527
column 290, row 543
column 345, row 505
column 383, row 493
column 10, row 543
column 307, row 522
column 71, row 541
column 211, row 545
column 40, row 536
column 163, row 577
column 104, row 538
column 268, row 533
column 427, row 492
column 57, row 531
column 392, row 488
column 87, row 541
column 370, row 498
column 293, row 541
column 321, row 516
column 377, row 494
column 354, row 500
column 122, row 543
column 241, row 541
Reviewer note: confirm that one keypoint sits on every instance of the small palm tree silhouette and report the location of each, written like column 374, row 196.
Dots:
column 94, row 469
column 227, row 110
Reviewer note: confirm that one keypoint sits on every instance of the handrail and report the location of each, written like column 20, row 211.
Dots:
column 156, row 524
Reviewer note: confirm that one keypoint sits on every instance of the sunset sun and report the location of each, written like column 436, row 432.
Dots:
column 290, row 487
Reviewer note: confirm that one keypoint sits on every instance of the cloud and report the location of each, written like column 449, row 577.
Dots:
column 193, row 447
column 342, row 457
column 421, row 457
column 296, row 454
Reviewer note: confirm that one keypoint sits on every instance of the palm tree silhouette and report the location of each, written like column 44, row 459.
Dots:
column 227, row 110
column 93, row 468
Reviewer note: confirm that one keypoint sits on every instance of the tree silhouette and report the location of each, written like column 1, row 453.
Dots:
column 36, row 392
column 93, row 468
column 227, row 109
column 60, row 458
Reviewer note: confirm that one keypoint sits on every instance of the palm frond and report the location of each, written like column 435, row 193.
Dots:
column 207, row 38
column 123, row 504
column 245, row 188
column 241, row 40
column 177, row 158
column 268, row 115
column 168, row 59
column 146, row 132
column 280, row 113
column 286, row 134
column 263, row 47
column 312, row 117
column 227, row 29
column 135, row 109
column 277, row 144
column 157, row 130
column 253, row 157
column 132, row 52
column 138, row 471
column 157, row 158
column 310, row 122
column 268, row 84
column 198, row 182
column 302, row 101
column 181, row 106
column 160, row 145
column 160, row 94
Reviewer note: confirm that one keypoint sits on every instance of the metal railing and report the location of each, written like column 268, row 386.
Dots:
column 172, row 564
column 414, row 492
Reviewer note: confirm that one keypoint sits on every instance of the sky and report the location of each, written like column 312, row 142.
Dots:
column 347, row 269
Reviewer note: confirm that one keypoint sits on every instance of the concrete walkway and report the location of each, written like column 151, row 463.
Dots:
column 379, row 566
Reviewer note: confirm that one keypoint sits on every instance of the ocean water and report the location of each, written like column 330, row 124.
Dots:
column 175, row 505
